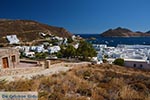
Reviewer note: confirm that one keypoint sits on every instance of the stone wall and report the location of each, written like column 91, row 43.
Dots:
column 70, row 64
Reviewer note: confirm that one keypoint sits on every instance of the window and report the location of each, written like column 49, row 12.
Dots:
column 13, row 58
column 134, row 65
column 141, row 65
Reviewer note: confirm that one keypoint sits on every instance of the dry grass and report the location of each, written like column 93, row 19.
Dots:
column 128, row 93
column 93, row 82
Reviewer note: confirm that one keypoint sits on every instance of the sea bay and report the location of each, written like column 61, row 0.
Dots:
column 114, row 41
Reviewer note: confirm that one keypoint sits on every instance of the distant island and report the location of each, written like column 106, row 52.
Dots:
column 124, row 32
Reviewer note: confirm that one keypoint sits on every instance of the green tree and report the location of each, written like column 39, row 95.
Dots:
column 59, row 54
column 67, row 51
column 70, row 51
column 41, row 55
column 105, row 60
column 119, row 62
column 86, row 50
column 70, row 40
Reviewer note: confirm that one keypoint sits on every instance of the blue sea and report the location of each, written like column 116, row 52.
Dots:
column 114, row 41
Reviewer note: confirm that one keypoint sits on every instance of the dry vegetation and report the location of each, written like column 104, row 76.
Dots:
column 93, row 82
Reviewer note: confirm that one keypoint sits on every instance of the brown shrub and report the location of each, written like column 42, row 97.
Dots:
column 127, row 93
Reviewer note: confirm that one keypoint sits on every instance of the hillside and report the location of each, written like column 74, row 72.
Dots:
column 28, row 30
column 122, row 32
column 148, row 32
column 92, row 82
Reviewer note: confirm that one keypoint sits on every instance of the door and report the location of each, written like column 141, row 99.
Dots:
column 5, row 62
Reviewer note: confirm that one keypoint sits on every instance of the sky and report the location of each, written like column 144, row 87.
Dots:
column 81, row 16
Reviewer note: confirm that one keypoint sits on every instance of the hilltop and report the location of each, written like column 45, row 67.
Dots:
column 123, row 32
column 92, row 82
column 28, row 30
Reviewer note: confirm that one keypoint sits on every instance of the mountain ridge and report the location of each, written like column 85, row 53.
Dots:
column 123, row 32
column 28, row 30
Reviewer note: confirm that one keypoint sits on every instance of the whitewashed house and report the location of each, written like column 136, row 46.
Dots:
column 76, row 45
column 42, row 34
column 65, row 41
column 137, row 63
column 29, row 54
column 95, row 60
column 33, row 48
column 39, row 48
column 99, row 56
column 54, row 49
column 12, row 39
column 24, row 49
column 58, row 38
column 73, row 37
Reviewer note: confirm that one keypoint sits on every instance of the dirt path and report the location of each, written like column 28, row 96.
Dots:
column 52, row 70
column 45, row 72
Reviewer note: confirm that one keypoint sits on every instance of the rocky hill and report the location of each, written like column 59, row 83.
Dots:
column 28, row 30
column 148, row 32
column 123, row 32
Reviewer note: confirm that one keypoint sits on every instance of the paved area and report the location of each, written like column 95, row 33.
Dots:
column 20, row 65
column 46, row 72
column 54, row 69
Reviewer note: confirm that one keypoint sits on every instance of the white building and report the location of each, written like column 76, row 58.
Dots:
column 65, row 41
column 39, row 49
column 54, row 49
column 73, row 37
column 29, row 54
column 135, row 56
column 43, row 34
column 76, row 45
column 58, row 38
column 12, row 39
column 134, row 63
column 33, row 48
column 25, row 48
column 137, row 63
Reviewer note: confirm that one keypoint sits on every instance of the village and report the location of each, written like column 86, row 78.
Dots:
column 135, row 56
column 28, row 61
column 51, row 44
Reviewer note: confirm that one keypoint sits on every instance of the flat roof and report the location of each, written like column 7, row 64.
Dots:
column 136, row 60
column 7, row 48
column 133, row 60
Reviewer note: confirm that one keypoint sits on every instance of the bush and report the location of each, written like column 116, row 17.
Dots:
column 105, row 60
column 119, row 62
column 41, row 55
column 59, row 54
